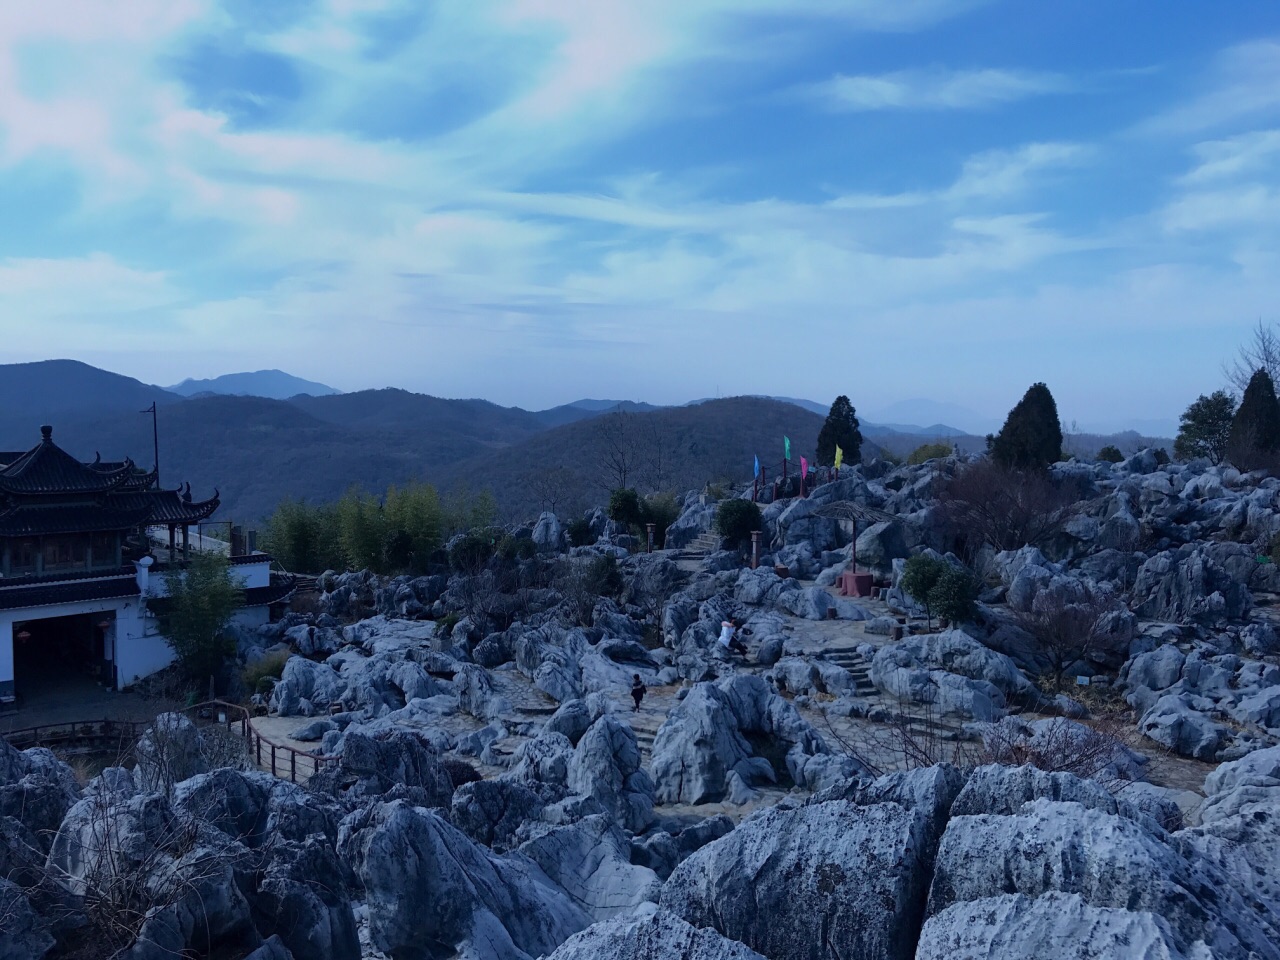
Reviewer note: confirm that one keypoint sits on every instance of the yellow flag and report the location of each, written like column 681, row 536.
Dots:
column 839, row 456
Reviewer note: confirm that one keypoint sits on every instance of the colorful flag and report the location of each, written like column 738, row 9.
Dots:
column 786, row 448
column 839, row 456
column 757, row 473
column 804, row 468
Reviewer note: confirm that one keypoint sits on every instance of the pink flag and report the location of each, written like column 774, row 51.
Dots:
column 804, row 468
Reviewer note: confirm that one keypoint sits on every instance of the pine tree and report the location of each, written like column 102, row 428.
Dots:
column 1206, row 428
column 1255, row 432
column 1031, row 438
column 840, row 430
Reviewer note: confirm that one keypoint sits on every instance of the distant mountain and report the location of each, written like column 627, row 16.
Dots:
column 920, row 410
column 714, row 440
column 586, row 409
column 271, row 384
column 600, row 406
column 932, row 432
column 811, row 405
column 51, row 390
column 399, row 412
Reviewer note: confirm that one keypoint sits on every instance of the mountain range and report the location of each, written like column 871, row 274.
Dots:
column 259, row 450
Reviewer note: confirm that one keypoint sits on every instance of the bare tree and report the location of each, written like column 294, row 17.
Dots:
column 986, row 504
column 551, row 487
column 1261, row 351
column 617, row 441
column 655, row 454
column 1094, row 751
column 1074, row 621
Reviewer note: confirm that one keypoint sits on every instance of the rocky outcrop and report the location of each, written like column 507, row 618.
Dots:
column 952, row 672
column 656, row 935
column 481, row 905
column 838, row 878
column 706, row 738
column 606, row 766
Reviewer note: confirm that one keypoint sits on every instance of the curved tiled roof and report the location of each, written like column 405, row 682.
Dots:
column 46, row 468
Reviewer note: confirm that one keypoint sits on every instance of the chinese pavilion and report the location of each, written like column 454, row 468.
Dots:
column 77, row 567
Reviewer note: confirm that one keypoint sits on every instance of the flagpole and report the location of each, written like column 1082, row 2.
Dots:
column 155, row 439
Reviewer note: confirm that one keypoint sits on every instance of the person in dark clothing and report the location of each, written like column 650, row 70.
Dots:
column 637, row 692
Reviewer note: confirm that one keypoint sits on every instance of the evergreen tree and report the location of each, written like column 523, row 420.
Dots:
column 840, row 430
column 1206, row 428
column 1031, row 438
column 1255, row 431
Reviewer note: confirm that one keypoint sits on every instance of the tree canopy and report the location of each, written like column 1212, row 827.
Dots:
column 1205, row 428
column 1031, row 438
column 840, row 430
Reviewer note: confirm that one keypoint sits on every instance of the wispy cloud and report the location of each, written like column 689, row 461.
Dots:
column 1244, row 84
column 937, row 89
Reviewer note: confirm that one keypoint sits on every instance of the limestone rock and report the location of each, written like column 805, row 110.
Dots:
column 480, row 905
column 657, row 936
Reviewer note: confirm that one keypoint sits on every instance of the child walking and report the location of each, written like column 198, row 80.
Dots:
column 637, row 692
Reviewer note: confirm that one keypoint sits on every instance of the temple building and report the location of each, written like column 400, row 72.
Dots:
column 86, row 553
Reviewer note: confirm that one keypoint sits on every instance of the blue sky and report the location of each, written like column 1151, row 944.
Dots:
column 538, row 200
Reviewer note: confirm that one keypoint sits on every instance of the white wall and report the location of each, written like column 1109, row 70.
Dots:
column 140, row 650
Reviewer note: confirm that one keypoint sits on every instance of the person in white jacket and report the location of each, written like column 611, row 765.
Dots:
column 728, row 638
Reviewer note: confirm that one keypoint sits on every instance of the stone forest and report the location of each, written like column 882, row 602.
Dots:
column 988, row 706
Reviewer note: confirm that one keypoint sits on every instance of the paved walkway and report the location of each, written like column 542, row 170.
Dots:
column 72, row 698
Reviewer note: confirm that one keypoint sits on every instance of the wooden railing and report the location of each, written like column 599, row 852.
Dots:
column 95, row 734
column 280, row 759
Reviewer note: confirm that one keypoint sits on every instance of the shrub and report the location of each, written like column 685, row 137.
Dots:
column 1110, row 454
column 954, row 595
column 258, row 675
column 1072, row 622
column 985, row 504
column 661, row 510
column 920, row 576
column 516, row 548
column 929, row 451
column 580, row 534
column 471, row 551
column 625, row 507
column 736, row 519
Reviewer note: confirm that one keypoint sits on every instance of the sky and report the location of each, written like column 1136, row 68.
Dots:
column 534, row 201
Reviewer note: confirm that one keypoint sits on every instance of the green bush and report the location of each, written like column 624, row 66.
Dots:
column 472, row 551
column 736, row 519
column 661, row 510
column 580, row 534
column 258, row 676
column 516, row 548
column 929, row 451
column 954, row 595
column 920, row 576
column 604, row 577
column 626, row 507
column 1110, row 454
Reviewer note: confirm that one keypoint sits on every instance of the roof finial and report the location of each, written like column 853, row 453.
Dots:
column 46, row 432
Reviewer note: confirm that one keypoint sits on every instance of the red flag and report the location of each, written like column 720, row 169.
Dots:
column 804, row 468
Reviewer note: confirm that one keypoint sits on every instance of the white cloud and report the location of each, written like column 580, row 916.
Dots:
column 1247, row 153
column 1244, row 85
column 937, row 89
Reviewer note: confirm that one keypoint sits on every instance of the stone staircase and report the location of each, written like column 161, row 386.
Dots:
column 705, row 544
column 856, row 664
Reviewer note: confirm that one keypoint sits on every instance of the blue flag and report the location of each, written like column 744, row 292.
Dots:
column 757, row 473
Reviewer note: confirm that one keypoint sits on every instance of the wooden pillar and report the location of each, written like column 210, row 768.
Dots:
column 648, row 529
column 755, row 549
column 186, row 542
column 173, row 541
